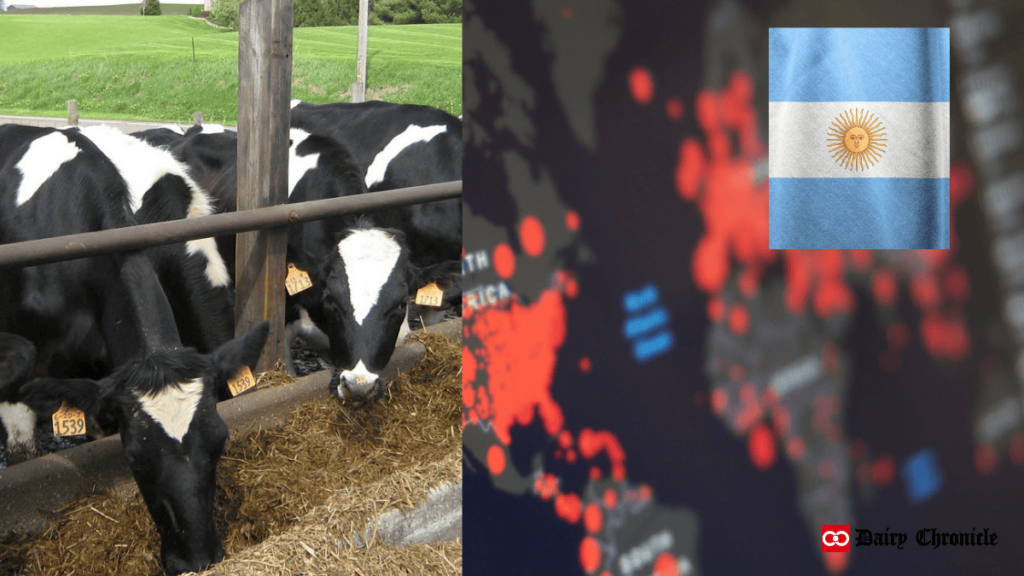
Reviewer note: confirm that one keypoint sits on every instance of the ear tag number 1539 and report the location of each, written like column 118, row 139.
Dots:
column 68, row 421
column 242, row 381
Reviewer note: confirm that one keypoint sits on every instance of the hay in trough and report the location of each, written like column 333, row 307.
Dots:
column 328, row 459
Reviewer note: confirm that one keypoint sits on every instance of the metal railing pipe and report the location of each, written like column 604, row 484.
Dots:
column 56, row 249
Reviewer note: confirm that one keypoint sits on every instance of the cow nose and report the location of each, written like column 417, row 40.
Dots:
column 359, row 385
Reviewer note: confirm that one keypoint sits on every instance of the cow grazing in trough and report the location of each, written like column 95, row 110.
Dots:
column 113, row 308
column 363, row 271
column 165, row 404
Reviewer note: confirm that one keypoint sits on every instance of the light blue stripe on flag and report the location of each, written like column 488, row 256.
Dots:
column 858, row 64
column 849, row 213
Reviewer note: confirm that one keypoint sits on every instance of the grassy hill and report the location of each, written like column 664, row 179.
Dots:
column 118, row 10
column 133, row 67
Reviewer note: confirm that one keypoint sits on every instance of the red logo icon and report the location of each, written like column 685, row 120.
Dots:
column 835, row 537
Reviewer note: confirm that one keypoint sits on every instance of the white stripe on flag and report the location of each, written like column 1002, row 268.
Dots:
column 917, row 143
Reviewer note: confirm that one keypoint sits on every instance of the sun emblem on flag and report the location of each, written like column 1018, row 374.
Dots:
column 856, row 139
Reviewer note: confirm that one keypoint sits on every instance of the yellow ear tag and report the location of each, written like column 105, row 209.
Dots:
column 68, row 421
column 242, row 381
column 297, row 280
column 429, row 295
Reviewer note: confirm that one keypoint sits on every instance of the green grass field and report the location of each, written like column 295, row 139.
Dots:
column 133, row 67
column 118, row 10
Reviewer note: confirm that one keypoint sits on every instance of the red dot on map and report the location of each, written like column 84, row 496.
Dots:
column 883, row 286
column 504, row 261
column 666, row 565
column 531, row 236
column 590, row 554
column 716, row 308
column 572, row 287
column 595, row 473
column 646, row 492
column 985, row 459
column 564, row 439
column 924, row 290
column 958, row 284
column 837, row 562
column 468, row 365
column 710, row 265
column 618, row 472
column 1017, row 449
column 761, row 447
column 674, row 109
column 568, row 508
column 610, row 498
column 593, row 518
column 641, row 85
column 495, row 460
column 883, row 470
column 690, row 169
column 585, row 364
column 572, row 220
column 719, row 400
column 739, row 319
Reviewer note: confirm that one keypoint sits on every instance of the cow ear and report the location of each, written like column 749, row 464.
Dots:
column 17, row 358
column 44, row 396
column 448, row 276
column 243, row 350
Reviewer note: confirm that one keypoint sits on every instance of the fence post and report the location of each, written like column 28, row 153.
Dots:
column 197, row 118
column 264, row 115
column 72, row 112
column 359, row 86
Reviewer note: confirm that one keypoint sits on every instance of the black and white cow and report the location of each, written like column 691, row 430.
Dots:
column 398, row 146
column 159, row 188
column 164, row 402
column 161, row 395
column 17, row 359
column 363, row 269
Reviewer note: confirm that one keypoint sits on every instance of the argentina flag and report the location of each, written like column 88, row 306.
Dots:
column 858, row 138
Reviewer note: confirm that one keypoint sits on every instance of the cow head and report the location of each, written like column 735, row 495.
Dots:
column 17, row 358
column 171, row 434
column 364, row 301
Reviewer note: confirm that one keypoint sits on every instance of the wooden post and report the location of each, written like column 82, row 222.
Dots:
column 264, row 115
column 72, row 112
column 359, row 87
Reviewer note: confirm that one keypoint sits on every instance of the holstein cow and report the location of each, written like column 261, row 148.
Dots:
column 17, row 359
column 161, row 395
column 398, row 146
column 363, row 270
column 159, row 188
